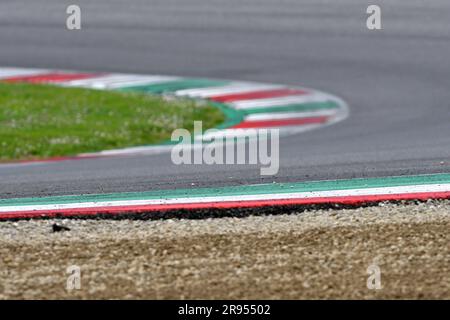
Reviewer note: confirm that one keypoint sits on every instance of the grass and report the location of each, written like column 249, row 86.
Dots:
column 41, row 121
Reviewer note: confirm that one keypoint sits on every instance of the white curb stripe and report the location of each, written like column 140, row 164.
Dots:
column 114, row 81
column 17, row 72
column 233, row 88
column 297, row 195
column 274, row 102
column 132, row 150
column 289, row 115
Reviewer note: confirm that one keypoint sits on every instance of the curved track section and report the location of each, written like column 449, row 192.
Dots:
column 247, row 105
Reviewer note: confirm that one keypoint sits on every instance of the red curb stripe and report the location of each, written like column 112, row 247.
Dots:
column 52, row 77
column 257, row 95
column 346, row 200
column 280, row 122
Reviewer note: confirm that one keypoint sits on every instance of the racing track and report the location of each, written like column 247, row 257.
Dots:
column 396, row 81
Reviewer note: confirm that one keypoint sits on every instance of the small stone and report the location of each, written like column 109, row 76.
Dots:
column 59, row 228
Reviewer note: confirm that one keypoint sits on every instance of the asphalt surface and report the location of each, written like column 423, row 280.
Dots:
column 396, row 81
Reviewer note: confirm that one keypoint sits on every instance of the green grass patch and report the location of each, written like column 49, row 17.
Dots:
column 40, row 121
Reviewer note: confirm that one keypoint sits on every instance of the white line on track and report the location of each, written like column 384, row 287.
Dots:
column 249, row 197
column 233, row 88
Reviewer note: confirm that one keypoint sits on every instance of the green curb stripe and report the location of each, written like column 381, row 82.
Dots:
column 172, row 86
column 310, row 106
column 232, row 116
column 275, row 188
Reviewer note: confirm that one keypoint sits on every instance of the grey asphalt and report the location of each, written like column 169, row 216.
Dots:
column 396, row 81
